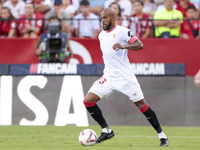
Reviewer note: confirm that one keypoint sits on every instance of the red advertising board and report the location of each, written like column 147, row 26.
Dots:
column 87, row 51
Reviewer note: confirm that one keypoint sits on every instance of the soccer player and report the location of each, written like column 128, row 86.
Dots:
column 118, row 75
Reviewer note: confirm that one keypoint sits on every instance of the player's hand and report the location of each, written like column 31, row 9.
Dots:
column 118, row 46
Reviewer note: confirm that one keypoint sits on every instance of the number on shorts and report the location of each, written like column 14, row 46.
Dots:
column 101, row 80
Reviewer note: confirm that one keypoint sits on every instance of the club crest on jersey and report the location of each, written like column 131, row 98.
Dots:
column 114, row 35
column 130, row 34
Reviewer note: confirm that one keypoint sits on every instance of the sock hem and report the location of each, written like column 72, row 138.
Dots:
column 144, row 108
column 89, row 104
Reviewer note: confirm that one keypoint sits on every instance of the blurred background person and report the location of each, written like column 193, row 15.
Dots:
column 162, row 6
column 68, row 8
column 76, row 5
column 132, row 7
column 89, row 25
column 145, row 26
column 183, row 5
column 31, row 25
column 158, row 2
column 190, row 29
column 65, row 17
column 149, row 8
column 17, row 7
column 197, row 5
column 42, row 48
column 42, row 6
column 7, row 26
column 168, row 21
column 96, row 6
column 125, row 6
column 119, row 19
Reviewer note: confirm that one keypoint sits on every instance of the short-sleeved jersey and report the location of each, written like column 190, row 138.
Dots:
column 125, row 6
column 183, row 10
column 16, row 10
column 86, row 27
column 70, row 9
column 186, row 29
column 32, row 23
column 117, row 65
column 6, row 26
column 141, row 26
column 163, row 14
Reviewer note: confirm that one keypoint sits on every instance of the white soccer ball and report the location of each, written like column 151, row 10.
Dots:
column 87, row 137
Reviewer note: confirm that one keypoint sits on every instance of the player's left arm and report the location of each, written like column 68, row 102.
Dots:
column 137, row 45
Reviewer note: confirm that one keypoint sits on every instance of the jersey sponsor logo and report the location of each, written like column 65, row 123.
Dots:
column 148, row 68
column 130, row 34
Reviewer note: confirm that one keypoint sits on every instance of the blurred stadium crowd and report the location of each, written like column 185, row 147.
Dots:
column 81, row 18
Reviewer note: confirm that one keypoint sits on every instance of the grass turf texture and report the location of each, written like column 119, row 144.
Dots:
column 66, row 138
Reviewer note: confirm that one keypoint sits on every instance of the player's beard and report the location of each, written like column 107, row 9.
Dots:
column 109, row 25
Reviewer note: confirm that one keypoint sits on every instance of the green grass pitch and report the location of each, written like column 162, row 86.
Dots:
column 66, row 138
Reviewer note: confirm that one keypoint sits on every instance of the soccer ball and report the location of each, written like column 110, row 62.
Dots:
column 87, row 137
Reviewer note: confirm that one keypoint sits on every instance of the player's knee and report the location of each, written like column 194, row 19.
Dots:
column 91, row 97
column 140, row 103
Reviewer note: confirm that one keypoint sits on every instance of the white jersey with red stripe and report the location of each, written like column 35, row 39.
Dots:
column 117, row 65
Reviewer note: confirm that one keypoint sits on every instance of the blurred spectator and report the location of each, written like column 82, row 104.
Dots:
column 75, row 4
column 119, row 19
column 57, row 11
column 182, row 6
column 190, row 29
column 41, row 48
column 145, row 26
column 16, row 6
column 163, row 6
column 158, row 2
column 125, row 6
column 197, row 5
column 96, row 6
column 132, row 7
column 68, row 8
column 168, row 21
column 31, row 24
column 7, row 27
column 42, row 6
column 149, row 8
column 87, row 27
